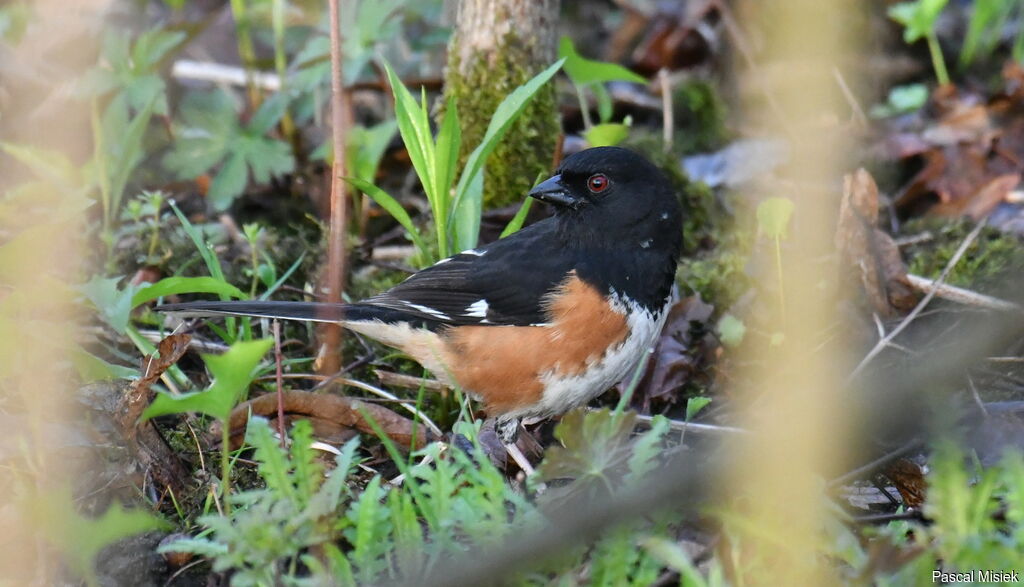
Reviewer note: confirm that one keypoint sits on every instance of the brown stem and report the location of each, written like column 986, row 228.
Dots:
column 331, row 334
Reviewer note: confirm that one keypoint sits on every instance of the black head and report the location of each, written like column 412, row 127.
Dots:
column 613, row 195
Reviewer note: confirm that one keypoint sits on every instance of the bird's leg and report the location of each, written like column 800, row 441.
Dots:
column 507, row 429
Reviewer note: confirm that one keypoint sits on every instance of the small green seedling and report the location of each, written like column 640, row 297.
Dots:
column 587, row 74
column 773, row 215
column 232, row 373
column 918, row 19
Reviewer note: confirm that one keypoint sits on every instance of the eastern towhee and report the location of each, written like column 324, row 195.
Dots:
column 543, row 320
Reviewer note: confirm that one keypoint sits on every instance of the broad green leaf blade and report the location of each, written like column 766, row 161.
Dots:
column 587, row 71
column 503, row 117
column 414, row 126
column 517, row 221
column 229, row 182
column 384, row 200
column 113, row 303
column 449, row 141
column 92, row 368
column 608, row 134
column 179, row 285
column 467, row 216
column 232, row 373
column 268, row 115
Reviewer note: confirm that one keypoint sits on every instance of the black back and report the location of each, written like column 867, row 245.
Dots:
column 625, row 239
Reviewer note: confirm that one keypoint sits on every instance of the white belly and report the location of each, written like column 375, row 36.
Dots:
column 563, row 393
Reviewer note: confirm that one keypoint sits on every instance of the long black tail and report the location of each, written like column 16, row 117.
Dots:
column 311, row 311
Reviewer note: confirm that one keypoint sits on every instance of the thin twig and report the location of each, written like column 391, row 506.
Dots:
column 858, row 112
column 696, row 427
column 976, row 397
column 884, row 342
column 667, row 116
column 874, row 465
column 520, row 459
column 410, row 381
column 339, row 213
column 961, row 295
column 886, row 518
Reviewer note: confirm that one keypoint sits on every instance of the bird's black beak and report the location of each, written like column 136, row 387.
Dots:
column 552, row 191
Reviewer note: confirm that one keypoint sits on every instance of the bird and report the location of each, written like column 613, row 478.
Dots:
column 543, row 320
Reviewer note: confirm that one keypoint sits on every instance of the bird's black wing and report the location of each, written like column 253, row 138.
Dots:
column 504, row 283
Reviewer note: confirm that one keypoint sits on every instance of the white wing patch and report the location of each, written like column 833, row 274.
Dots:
column 475, row 252
column 477, row 309
column 427, row 310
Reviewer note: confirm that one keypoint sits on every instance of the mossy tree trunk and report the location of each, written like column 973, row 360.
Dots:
column 498, row 45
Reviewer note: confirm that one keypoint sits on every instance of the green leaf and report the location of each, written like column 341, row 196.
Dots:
column 179, row 285
column 203, row 247
column 207, row 130
column 366, row 148
column 391, row 205
column 918, row 17
column 114, row 304
column 902, row 99
column 587, row 71
column 269, row 114
column 467, row 215
column 91, row 368
column 449, row 141
column 731, row 330
column 517, row 221
column 694, row 405
column 229, row 183
column 593, row 443
column 773, row 216
column 414, row 126
column 273, row 461
column 79, row 538
column 232, row 373
column 673, row 555
column 606, row 135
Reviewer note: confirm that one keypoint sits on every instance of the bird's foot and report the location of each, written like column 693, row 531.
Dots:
column 507, row 429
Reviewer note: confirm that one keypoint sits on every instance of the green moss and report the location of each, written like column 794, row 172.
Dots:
column 992, row 257
column 528, row 148
column 717, row 276
column 700, row 115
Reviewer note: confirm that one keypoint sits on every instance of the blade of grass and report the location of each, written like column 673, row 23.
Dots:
column 391, row 205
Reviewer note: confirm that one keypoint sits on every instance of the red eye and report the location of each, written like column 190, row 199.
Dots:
column 598, row 183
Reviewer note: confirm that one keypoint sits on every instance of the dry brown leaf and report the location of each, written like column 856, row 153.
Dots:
column 908, row 478
column 984, row 200
column 148, row 446
column 139, row 392
column 869, row 253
